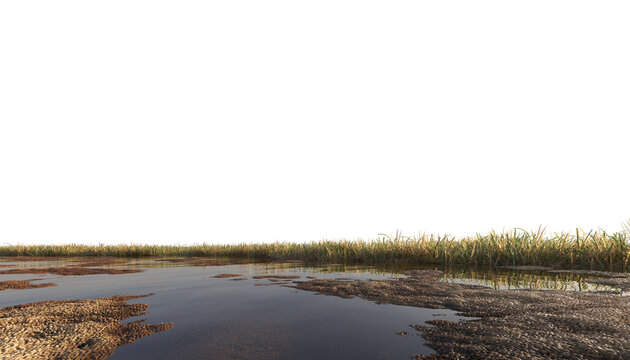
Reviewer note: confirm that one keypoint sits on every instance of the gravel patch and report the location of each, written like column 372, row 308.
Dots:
column 71, row 329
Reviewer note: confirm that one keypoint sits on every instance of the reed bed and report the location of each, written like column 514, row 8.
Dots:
column 579, row 250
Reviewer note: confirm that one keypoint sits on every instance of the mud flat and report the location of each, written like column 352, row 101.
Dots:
column 511, row 324
column 72, row 329
column 222, row 276
column 204, row 261
column 70, row 270
column 23, row 284
column 276, row 277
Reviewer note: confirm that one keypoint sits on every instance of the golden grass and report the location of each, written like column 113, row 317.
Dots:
column 585, row 250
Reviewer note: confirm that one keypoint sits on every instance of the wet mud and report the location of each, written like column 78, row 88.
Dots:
column 221, row 276
column 23, row 284
column 202, row 261
column 32, row 258
column 72, row 329
column 524, row 267
column 276, row 277
column 101, row 261
column 510, row 324
column 622, row 283
column 70, row 270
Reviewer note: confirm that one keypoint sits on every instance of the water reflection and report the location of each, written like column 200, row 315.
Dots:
column 501, row 279
column 218, row 318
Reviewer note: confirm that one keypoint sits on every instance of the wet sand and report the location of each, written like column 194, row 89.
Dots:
column 512, row 324
column 72, row 329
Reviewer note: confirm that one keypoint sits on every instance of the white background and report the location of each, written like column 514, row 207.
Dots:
column 247, row 121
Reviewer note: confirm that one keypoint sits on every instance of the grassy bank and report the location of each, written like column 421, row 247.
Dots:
column 585, row 250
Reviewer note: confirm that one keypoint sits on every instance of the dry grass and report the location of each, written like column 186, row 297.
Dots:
column 584, row 250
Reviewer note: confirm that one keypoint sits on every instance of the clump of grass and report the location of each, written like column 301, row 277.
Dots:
column 583, row 250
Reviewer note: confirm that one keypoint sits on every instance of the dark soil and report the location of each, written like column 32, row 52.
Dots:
column 511, row 324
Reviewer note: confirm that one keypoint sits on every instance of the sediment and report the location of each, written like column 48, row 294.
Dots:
column 202, row 261
column 509, row 324
column 222, row 276
column 277, row 277
column 72, row 329
column 23, row 284
column 70, row 270
column 99, row 261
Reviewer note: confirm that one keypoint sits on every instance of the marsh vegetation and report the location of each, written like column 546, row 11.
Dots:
column 580, row 250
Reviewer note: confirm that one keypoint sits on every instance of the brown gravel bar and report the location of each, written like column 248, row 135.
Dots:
column 510, row 324
column 72, row 329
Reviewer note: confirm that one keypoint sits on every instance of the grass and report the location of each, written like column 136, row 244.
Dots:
column 580, row 250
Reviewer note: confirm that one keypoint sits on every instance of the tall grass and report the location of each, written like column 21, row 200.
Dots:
column 584, row 250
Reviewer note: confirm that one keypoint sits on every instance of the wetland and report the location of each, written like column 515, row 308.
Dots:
column 220, row 308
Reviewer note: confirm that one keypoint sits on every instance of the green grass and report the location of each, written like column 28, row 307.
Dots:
column 584, row 250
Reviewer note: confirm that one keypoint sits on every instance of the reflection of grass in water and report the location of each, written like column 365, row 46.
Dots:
column 502, row 279
column 592, row 250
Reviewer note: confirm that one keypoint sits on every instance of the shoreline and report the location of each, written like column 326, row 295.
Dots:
column 508, row 324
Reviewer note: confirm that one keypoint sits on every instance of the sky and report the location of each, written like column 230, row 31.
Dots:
column 229, row 121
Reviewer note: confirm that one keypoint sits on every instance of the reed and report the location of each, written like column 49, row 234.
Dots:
column 579, row 250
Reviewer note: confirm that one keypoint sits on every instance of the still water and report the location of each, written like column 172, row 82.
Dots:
column 219, row 318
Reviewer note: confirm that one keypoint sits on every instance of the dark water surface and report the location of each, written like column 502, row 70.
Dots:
column 218, row 318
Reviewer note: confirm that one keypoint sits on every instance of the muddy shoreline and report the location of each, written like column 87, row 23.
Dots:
column 510, row 324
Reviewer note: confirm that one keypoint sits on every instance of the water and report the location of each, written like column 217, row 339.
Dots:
column 217, row 318
column 539, row 279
